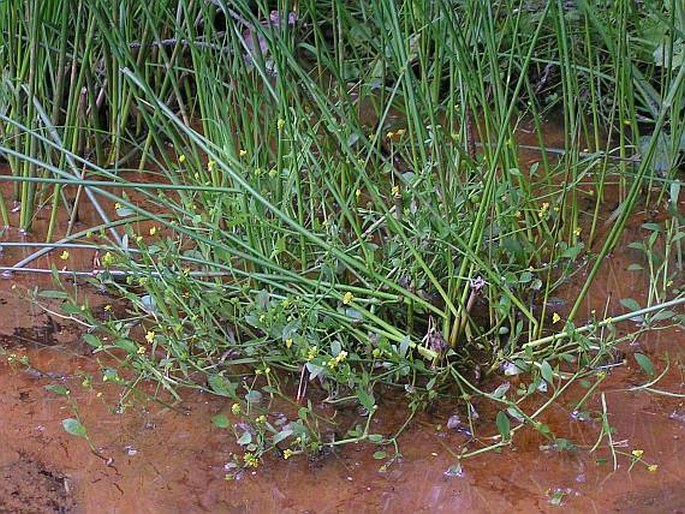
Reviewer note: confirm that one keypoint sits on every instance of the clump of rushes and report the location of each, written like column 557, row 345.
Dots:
column 343, row 205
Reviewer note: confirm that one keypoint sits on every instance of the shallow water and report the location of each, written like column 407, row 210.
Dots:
column 155, row 458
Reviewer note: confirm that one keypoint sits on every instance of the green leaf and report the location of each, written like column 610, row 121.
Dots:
column 253, row 396
column 503, row 425
column 365, row 399
column 245, row 439
column 630, row 304
column 380, row 455
column 645, row 363
column 674, row 190
column 662, row 315
column 124, row 212
column 283, row 434
column 221, row 421
column 58, row 389
column 74, row 427
column 92, row 340
column 127, row 345
column 222, row 386
column 547, row 372
column 61, row 295
column 501, row 390
column 404, row 346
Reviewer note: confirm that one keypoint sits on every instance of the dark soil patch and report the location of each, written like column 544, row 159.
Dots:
column 29, row 487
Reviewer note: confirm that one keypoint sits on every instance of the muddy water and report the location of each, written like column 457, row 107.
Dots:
column 158, row 459
column 167, row 459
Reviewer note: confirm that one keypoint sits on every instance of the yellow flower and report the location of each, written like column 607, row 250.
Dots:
column 108, row 307
column 390, row 135
column 556, row 318
column 288, row 343
column 64, row 255
column 577, row 231
column 395, row 191
column 358, row 193
column 236, row 409
column 313, row 352
column 348, row 298
column 242, row 153
column 287, row 453
column 153, row 231
column 251, row 460
column 141, row 350
column 638, row 453
column 280, row 124
column 150, row 336
column 182, row 159
column 107, row 259
column 544, row 209
column 652, row 467
column 211, row 165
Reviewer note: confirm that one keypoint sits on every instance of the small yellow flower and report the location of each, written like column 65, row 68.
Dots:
column 261, row 419
column 236, row 409
column 150, row 336
column 251, row 460
column 289, row 343
column 348, row 298
column 242, row 153
column 395, row 191
column 358, row 193
column 313, row 352
column 280, row 124
column 652, row 467
column 181, row 159
column 400, row 132
column 153, row 231
column 287, row 453
column 108, row 307
column 637, row 453
column 577, row 231
column 390, row 135
column 99, row 395
column 64, row 255
column 117, row 206
column 211, row 165
column 107, row 259
column 544, row 209
column 141, row 350
column 556, row 318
